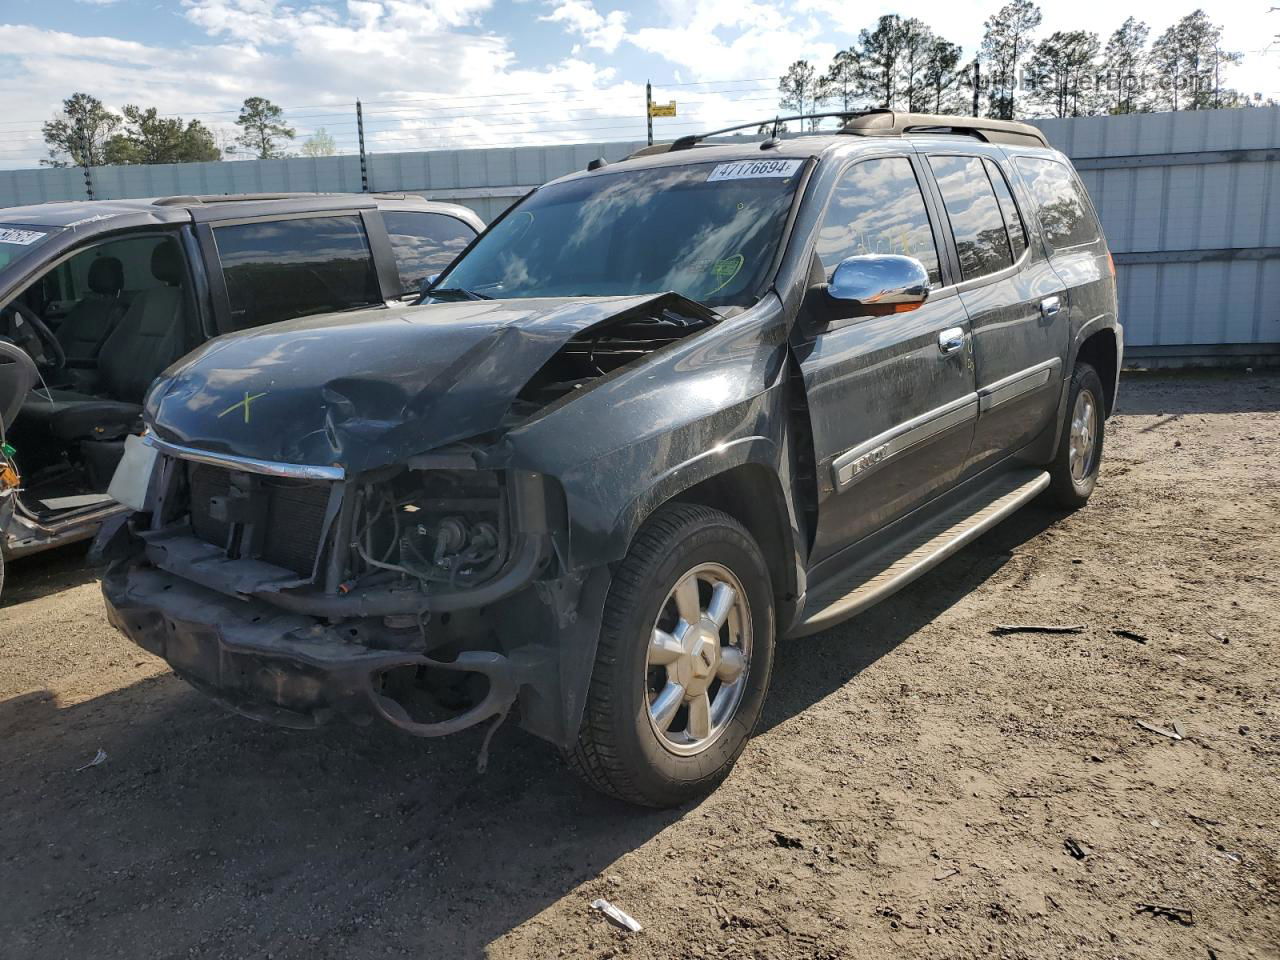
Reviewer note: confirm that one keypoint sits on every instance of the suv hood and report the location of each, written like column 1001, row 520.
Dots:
column 369, row 388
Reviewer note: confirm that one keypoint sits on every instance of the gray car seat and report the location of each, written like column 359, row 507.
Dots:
column 88, row 324
column 150, row 336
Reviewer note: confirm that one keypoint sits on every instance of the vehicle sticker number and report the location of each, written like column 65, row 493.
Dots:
column 754, row 169
column 18, row 237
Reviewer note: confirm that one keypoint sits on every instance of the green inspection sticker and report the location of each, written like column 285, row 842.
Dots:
column 725, row 270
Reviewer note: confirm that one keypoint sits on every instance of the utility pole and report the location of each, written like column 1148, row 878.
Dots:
column 648, row 109
column 977, row 82
column 85, row 159
column 364, row 161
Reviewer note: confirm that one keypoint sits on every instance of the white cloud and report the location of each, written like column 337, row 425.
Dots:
column 604, row 31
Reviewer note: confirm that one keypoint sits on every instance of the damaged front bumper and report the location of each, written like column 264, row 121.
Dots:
column 285, row 668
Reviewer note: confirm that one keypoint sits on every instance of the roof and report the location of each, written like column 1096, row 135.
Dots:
column 178, row 209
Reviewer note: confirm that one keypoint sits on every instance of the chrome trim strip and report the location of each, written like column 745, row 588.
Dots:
column 1017, row 384
column 858, row 462
column 296, row 471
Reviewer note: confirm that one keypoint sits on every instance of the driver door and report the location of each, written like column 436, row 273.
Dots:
column 891, row 398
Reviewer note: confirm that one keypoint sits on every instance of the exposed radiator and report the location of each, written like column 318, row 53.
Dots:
column 292, row 523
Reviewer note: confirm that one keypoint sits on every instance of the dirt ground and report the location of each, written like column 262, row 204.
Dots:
column 912, row 792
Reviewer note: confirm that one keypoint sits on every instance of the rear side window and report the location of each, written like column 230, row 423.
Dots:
column 1009, row 207
column 877, row 208
column 280, row 269
column 424, row 243
column 1063, row 209
column 976, row 222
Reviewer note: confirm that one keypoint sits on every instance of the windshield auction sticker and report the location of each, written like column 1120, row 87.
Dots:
column 754, row 169
column 18, row 237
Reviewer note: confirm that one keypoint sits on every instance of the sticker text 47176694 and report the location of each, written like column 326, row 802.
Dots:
column 754, row 169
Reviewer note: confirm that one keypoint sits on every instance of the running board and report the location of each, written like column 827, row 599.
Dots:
column 899, row 563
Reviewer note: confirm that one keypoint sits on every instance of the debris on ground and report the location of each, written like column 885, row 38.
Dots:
column 1130, row 635
column 1001, row 629
column 99, row 757
column 620, row 917
column 1077, row 849
column 789, row 842
column 945, row 873
column 1173, row 732
column 1177, row 914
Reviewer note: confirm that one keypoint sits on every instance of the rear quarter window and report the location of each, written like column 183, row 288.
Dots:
column 1065, row 213
column 280, row 269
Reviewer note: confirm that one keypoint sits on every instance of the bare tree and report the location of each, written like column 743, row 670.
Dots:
column 1007, row 39
column 78, row 135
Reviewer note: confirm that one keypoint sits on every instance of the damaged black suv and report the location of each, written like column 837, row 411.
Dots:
column 659, row 414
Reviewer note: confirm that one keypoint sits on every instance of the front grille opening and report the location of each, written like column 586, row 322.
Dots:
column 277, row 520
column 433, row 695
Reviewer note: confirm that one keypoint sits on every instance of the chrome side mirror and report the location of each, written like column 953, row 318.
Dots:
column 876, row 284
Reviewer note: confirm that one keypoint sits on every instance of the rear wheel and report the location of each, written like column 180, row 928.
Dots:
column 683, row 662
column 1074, row 472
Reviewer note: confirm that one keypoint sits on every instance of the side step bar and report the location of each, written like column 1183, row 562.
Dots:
column 897, row 564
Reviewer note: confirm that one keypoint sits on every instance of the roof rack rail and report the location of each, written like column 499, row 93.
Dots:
column 879, row 123
column 184, row 200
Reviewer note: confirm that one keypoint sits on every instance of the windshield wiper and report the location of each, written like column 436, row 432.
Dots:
column 455, row 292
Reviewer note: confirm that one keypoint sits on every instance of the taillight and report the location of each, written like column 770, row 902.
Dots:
column 1111, row 264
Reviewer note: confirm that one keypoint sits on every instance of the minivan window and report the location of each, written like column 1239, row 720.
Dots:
column 1063, row 209
column 1009, row 207
column 424, row 243
column 976, row 223
column 279, row 269
column 877, row 207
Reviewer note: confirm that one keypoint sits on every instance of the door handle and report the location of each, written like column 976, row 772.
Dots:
column 1050, row 307
column 951, row 339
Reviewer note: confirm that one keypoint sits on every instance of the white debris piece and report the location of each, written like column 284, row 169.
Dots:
column 99, row 757
column 621, row 918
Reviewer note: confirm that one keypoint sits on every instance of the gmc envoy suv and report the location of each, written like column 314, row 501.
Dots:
column 660, row 414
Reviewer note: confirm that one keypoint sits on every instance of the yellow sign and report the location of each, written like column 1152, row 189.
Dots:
column 662, row 109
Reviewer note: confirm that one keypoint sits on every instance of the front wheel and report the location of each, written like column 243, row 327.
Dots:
column 683, row 662
column 1074, row 472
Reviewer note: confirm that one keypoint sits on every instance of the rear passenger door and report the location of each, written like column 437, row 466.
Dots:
column 1015, row 303
column 891, row 398
column 278, row 268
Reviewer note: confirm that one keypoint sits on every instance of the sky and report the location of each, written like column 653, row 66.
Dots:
column 471, row 73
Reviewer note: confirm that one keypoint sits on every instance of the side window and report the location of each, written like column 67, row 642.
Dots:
column 1063, row 209
column 976, row 223
column 280, row 269
column 877, row 207
column 424, row 243
column 1009, row 207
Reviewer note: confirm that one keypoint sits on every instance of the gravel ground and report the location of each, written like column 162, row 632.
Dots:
column 915, row 788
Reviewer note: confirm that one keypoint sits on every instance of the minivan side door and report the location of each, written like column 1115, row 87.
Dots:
column 1015, row 302
column 891, row 398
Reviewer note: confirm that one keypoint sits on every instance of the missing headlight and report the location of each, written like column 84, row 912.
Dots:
column 445, row 528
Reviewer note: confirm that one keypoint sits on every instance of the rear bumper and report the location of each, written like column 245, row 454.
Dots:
column 280, row 667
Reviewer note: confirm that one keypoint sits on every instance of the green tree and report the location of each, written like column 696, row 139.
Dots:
column 1006, row 40
column 799, row 90
column 1063, row 69
column 882, row 50
column 150, row 138
column 319, row 144
column 1190, row 60
column 917, row 41
column 841, row 85
column 1124, row 61
column 262, row 125
column 78, row 135
column 942, row 77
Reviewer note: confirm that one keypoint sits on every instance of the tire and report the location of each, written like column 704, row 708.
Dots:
column 621, row 749
column 1071, row 485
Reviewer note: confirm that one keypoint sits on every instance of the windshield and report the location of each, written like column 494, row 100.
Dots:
column 708, row 231
column 18, row 239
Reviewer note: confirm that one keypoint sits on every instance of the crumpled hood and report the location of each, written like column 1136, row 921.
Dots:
column 368, row 388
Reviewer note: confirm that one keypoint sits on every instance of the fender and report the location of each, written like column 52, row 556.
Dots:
column 1103, row 321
